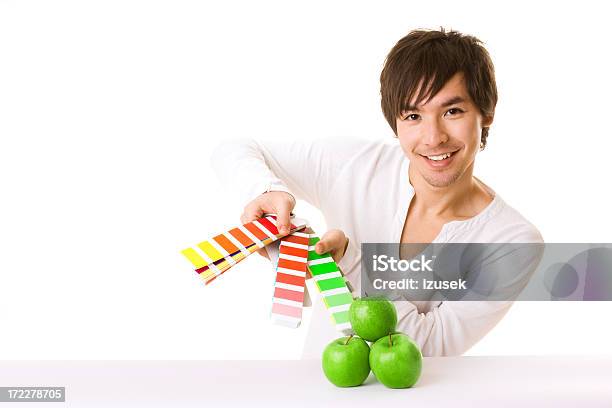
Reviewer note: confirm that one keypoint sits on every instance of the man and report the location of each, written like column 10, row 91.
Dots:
column 438, row 94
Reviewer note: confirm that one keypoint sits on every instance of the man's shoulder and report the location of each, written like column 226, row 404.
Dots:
column 509, row 225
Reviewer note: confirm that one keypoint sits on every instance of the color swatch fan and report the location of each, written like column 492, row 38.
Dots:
column 213, row 257
column 296, row 258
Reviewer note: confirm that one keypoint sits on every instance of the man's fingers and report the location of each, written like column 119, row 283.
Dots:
column 248, row 217
column 283, row 215
column 334, row 242
column 277, row 202
column 329, row 241
column 263, row 253
column 251, row 213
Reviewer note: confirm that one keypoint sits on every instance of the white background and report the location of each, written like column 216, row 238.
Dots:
column 109, row 111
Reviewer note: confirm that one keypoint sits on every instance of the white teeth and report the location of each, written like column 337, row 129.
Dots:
column 441, row 157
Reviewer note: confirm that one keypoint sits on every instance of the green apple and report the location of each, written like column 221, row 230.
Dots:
column 346, row 361
column 396, row 361
column 372, row 318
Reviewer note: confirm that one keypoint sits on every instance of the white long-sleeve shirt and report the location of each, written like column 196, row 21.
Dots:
column 362, row 188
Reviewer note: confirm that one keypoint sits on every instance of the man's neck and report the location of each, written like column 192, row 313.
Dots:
column 463, row 199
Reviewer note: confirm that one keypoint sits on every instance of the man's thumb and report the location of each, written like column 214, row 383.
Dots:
column 334, row 242
column 283, row 220
column 321, row 248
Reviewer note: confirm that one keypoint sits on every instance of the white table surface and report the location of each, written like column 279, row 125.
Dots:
column 445, row 381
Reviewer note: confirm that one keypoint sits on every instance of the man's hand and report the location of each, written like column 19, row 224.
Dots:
column 282, row 203
column 273, row 202
column 333, row 241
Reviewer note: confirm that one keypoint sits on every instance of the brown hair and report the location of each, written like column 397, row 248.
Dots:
column 432, row 57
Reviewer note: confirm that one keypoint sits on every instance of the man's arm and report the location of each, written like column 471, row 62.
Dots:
column 305, row 169
column 269, row 175
column 454, row 327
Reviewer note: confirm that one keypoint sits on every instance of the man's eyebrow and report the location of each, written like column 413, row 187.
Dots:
column 452, row 101
column 410, row 108
column 449, row 102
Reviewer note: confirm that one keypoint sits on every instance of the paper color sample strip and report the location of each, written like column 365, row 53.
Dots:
column 296, row 256
column 289, row 285
column 331, row 284
column 213, row 257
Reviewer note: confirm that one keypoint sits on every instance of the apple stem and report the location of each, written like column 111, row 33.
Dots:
column 390, row 340
column 349, row 339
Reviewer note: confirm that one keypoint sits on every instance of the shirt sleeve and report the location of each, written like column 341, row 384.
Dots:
column 241, row 166
column 453, row 327
column 349, row 266
column 305, row 169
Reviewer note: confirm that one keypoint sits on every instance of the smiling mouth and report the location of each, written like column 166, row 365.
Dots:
column 440, row 157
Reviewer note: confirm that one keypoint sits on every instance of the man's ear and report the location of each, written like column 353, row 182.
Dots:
column 487, row 121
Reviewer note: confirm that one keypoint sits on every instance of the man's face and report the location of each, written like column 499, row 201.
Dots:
column 448, row 124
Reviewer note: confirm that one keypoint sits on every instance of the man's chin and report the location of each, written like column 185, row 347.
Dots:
column 441, row 180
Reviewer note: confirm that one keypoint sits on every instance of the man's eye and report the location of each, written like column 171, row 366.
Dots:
column 412, row 116
column 454, row 111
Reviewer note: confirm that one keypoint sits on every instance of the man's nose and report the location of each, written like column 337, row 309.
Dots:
column 434, row 133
